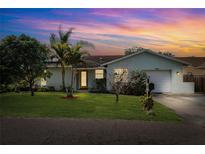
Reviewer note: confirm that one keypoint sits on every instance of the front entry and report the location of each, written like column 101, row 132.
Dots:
column 83, row 79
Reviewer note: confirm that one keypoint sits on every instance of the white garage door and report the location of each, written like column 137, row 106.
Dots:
column 161, row 80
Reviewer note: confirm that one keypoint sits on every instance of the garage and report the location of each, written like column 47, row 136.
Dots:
column 161, row 80
column 164, row 71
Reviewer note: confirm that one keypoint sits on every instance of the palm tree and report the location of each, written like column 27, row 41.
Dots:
column 60, row 48
column 68, row 54
column 75, row 56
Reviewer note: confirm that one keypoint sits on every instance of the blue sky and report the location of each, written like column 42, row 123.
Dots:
column 180, row 31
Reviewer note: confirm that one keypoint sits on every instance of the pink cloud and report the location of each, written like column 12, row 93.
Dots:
column 181, row 26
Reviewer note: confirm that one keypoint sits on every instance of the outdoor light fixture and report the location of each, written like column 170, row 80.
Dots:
column 178, row 73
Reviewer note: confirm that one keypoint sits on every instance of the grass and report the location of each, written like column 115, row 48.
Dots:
column 101, row 106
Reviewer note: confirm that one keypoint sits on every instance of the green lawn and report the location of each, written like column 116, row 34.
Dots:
column 103, row 106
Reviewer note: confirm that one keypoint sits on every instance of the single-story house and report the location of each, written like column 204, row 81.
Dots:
column 165, row 72
column 197, row 67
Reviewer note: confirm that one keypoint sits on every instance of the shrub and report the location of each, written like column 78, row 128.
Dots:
column 45, row 89
column 42, row 89
column 94, row 90
column 51, row 88
column 101, row 84
column 6, row 88
column 136, row 84
column 148, row 103
column 142, row 99
column 24, row 88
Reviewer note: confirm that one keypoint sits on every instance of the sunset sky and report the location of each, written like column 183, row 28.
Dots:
column 181, row 31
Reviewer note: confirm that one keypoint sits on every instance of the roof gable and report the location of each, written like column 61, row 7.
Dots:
column 146, row 51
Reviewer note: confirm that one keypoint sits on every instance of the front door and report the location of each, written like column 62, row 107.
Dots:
column 83, row 80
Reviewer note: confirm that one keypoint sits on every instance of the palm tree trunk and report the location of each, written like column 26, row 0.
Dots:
column 63, row 77
column 71, row 84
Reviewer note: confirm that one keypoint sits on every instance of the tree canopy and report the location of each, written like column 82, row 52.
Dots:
column 136, row 49
column 132, row 50
column 167, row 53
column 22, row 58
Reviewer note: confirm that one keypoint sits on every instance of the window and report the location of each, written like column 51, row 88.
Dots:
column 99, row 74
column 121, row 74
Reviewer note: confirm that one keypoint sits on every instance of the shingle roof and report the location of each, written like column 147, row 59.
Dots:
column 95, row 61
column 195, row 61
column 103, row 59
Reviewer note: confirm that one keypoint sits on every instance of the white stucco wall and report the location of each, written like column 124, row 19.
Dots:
column 147, row 61
column 56, row 78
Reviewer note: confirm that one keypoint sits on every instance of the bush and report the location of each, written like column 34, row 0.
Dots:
column 148, row 103
column 45, row 89
column 94, row 90
column 51, row 88
column 100, row 84
column 9, row 88
column 4, row 88
column 136, row 84
column 24, row 88
column 42, row 89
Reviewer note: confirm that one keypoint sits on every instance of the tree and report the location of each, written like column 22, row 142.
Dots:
column 117, row 82
column 74, row 56
column 167, row 53
column 26, row 57
column 68, row 54
column 9, row 60
column 132, row 50
column 60, row 48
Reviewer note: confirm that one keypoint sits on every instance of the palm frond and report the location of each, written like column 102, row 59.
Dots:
column 53, row 39
column 67, row 35
column 64, row 36
column 60, row 33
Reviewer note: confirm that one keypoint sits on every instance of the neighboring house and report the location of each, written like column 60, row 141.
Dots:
column 195, row 72
column 165, row 72
column 197, row 66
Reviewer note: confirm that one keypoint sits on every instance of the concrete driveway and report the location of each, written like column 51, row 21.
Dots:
column 190, row 107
